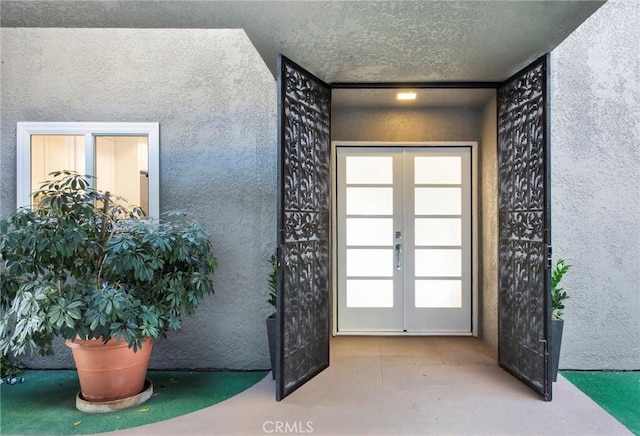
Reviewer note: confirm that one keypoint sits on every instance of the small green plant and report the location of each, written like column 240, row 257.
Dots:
column 272, row 282
column 558, row 295
column 9, row 368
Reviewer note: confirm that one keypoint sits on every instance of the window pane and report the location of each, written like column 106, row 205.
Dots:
column 369, row 231
column 369, row 263
column 438, row 293
column 55, row 153
column 45, row 155
column 369, row 201
column 122, row 168
column 438, row 231
column 438, row 263
column 369, row 169
column 438, row 201
column 369, row 293
column 438, row 170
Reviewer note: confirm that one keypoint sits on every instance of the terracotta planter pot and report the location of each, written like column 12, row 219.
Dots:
column 110, row 371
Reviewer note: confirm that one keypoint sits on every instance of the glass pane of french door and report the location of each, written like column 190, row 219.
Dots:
column 369, row 214
column 437, row 227
column 404, row 239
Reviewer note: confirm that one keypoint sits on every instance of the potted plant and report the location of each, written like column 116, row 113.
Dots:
column 272, row 284
column 558, row 296
column 84, row 268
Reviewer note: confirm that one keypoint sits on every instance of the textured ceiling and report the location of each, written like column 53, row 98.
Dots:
column 348, row 41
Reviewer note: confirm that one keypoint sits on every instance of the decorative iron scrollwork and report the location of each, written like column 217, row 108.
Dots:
column 522, row 210
column 305, row 225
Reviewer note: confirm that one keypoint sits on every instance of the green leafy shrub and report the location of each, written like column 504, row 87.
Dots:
column 79, row 265
column 9, row 368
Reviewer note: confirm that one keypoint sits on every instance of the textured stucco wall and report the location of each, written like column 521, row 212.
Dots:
column 215, row 101
column 595, row 137
column 405, row 124
column 489, row 225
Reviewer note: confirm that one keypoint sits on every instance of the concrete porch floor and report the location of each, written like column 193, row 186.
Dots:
column 400, row 386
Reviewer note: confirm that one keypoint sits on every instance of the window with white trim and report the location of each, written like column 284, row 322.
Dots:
column 123, row 158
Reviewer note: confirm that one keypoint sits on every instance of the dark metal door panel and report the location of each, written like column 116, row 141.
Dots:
column 302, row 344
column 524, row 294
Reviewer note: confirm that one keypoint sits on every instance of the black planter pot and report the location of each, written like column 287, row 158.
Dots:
column 556, row 341
column 271, row 335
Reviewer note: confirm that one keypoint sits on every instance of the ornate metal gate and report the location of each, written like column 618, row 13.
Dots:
column 524, row 226
column 302, row 344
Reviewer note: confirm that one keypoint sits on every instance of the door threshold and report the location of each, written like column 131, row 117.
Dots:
column 368, row 333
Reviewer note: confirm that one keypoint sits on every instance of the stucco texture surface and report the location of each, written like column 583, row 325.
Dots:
column 489, row 227
column 405, row 124
column 348, row 41
column 215, row 101
column 595, row 137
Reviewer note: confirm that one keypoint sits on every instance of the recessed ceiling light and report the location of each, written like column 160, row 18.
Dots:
column 406, row 95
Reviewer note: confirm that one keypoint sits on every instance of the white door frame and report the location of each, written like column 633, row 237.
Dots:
column 474, row 225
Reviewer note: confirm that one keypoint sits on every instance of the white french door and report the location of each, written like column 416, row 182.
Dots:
column 404, row 239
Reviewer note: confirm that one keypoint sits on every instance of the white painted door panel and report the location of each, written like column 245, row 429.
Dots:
column 437, row 227
column 369, row 213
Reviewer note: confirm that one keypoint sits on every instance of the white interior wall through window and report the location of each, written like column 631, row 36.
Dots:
column 123, row 158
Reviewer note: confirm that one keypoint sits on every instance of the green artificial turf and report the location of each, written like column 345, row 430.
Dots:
column 617, row 392
column 45, row 403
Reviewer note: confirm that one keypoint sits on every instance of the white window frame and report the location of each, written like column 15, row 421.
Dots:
column 90, row 131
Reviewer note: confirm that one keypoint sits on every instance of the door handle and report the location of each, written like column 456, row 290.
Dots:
column 398, row 256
